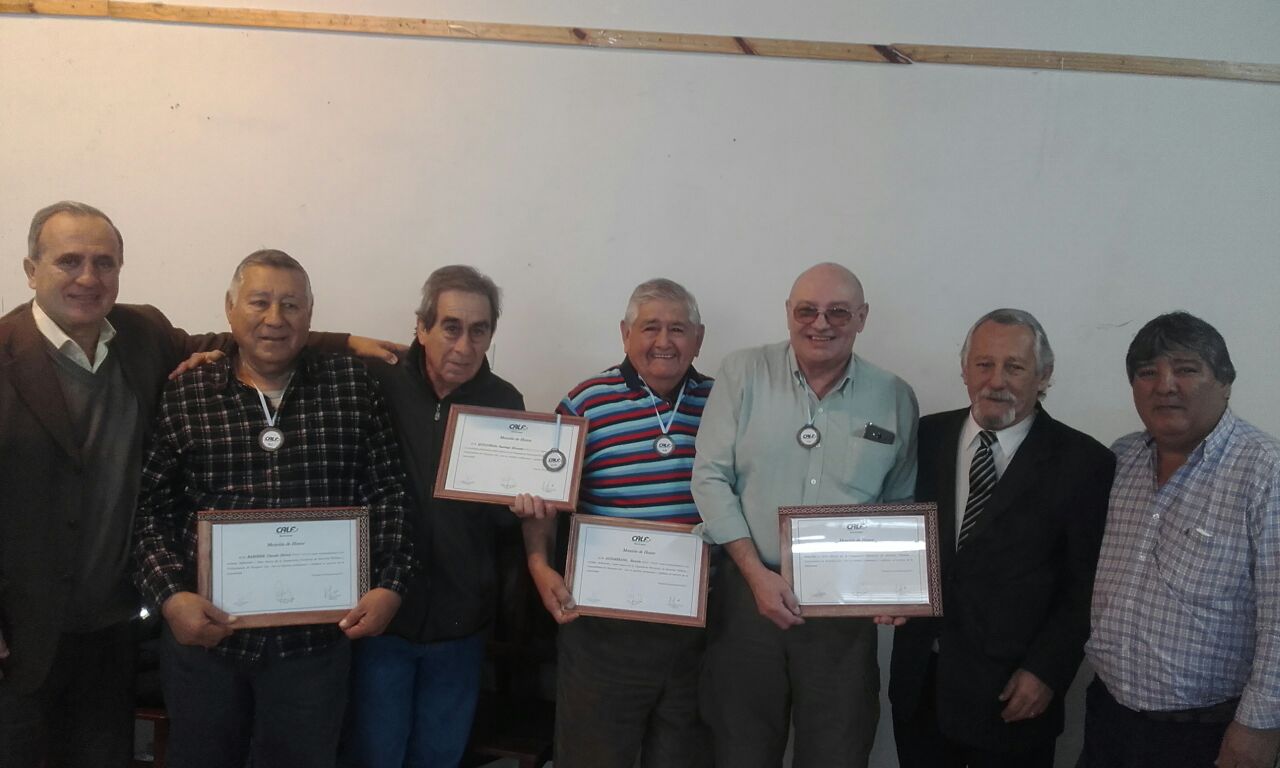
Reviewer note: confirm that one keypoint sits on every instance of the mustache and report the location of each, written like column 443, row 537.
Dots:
column 998, row 395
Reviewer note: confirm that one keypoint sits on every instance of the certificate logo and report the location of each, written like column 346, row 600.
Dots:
column 553, row 460
column 856, row 526
column 285, row 530
column 517, row 427
column 640, row 539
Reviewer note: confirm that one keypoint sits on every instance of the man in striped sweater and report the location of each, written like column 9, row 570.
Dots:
column 628, row 688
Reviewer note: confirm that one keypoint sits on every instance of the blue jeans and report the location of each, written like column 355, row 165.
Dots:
column 412, row 703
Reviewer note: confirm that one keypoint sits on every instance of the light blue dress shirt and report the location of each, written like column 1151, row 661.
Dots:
column 749, row 461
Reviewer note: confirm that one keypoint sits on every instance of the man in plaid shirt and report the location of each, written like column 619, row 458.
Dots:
column 273, row 426
column 1186, row 603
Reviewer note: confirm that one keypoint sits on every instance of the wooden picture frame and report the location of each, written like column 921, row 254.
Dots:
column 862, row 538
column 503, row 462
column 280, row 541
column 642, row 566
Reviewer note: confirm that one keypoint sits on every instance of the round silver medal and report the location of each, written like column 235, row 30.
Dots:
column 664, row 445
column 271, row 439
column 808, row 436
column 553, row 460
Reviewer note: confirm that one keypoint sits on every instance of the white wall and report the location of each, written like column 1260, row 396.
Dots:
column 1095, row 201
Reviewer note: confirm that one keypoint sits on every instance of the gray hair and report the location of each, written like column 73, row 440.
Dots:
column 662, row 289
column 458, row 277
column 1007, row 316
column 1180, row 332
column 70, row 207
column 267, row 257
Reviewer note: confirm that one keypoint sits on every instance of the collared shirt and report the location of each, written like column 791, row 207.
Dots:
column 749, row 461
column 623, row 475
column 338, row 450
column 1003, row 447
column 1186, row 603
column 66, row 346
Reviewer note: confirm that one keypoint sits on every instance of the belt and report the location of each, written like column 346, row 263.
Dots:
column 1214, row 714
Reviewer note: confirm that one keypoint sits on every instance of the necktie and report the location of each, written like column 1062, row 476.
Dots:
column 982, row 480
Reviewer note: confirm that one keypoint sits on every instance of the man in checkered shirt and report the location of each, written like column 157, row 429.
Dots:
column 273, row 426
column 1186, row 603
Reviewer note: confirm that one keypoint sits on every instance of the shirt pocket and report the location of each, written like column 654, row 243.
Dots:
column 1195, row 563
column 865, row 466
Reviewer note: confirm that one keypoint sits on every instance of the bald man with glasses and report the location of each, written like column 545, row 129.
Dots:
column 801, row 422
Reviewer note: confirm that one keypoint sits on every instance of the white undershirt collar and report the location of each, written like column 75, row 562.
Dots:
column 67, row 346
column 1006, row 444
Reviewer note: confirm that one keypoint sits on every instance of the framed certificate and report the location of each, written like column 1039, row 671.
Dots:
column 494, row 455
column 280, row 567
column 633, row 569
column 862, row 559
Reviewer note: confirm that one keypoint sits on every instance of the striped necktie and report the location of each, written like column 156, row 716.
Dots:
column 982, row 481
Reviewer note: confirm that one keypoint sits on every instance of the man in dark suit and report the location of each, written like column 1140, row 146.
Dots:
column 1022, row 500
column 79, row 380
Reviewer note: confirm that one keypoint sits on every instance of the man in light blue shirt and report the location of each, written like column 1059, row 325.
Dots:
column 802, row 422
column 1186, row 603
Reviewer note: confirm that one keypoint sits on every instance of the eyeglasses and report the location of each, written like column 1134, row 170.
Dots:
column 837, row 317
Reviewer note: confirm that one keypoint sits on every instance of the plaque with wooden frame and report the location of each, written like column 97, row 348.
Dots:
column 283, row 567
column 493, row 455
column 862, row 559
column 639, row 570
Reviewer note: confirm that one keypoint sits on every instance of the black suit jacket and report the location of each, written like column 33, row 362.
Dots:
column 1017, row 595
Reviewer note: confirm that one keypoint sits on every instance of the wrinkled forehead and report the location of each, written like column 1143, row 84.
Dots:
column 278, row 281
column 470, row 308
column 69, row 232
column 826, row 287
column 1003, row 340
column 826, row 295
column 662, row 310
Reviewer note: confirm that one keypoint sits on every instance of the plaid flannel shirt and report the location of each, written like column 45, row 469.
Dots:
column 1186, row 604
column 339, row 450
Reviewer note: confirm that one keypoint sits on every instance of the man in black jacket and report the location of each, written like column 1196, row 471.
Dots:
column 1021, row 503
column 415, row 688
